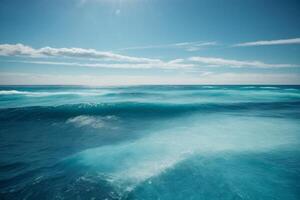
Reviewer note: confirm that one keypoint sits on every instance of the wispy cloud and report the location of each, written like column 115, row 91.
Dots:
column 103, row 59
column 173, row 64
column 189, row 63
column 188, row 46
column 23, row 50
column 269, row 42
column 213, row 61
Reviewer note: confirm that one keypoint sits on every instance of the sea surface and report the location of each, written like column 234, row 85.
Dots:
column 150, row 142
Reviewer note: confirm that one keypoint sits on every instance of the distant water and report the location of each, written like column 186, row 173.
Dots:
column 150, row 142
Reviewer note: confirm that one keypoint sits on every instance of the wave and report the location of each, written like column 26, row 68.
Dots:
column 134, row 109
column 116, row 170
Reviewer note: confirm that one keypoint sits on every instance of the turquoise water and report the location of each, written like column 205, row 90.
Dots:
column 150, row 142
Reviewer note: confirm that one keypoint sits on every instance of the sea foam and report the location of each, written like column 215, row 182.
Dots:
column 132, row 163
column 91, row 121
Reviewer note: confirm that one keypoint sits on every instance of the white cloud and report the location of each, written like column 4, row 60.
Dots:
column 269, row 42
column 23, row 50
column 213, row 61
column 173, row 64
column 17, row 50
column 122, row 61
column 189, row 63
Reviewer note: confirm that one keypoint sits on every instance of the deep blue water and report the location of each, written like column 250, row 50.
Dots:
column 150, row 142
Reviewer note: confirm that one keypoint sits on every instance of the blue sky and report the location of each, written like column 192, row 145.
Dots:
column 116, row 42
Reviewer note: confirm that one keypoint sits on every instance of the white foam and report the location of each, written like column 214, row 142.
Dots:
column 42, row 94
column 91, row 121
column 269, row 87
column 8, row 92
column 208, row 87
column 134, row 162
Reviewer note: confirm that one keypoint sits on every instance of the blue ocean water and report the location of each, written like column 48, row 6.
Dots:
column 150, row 142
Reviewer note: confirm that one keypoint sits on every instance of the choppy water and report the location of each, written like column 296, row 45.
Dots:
column 150, row 142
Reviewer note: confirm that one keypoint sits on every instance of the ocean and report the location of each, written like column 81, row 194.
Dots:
column 150, row 142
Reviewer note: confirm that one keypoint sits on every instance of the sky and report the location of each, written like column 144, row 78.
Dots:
column 129, row 42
